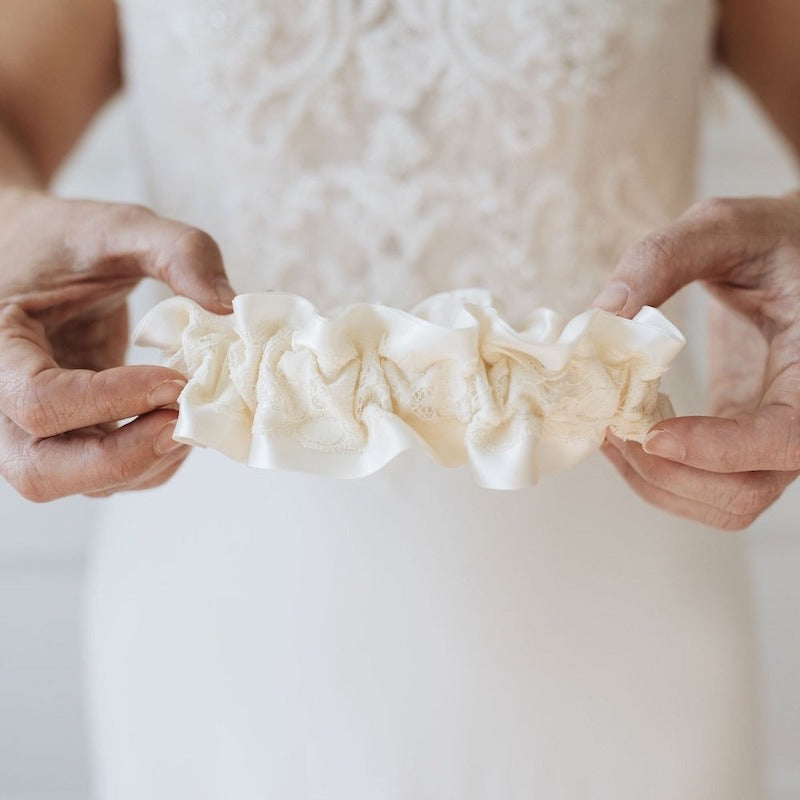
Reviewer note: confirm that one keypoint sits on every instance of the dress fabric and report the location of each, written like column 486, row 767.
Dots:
column 410, row 635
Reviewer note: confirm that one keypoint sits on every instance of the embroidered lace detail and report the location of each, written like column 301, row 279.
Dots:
column 385, row 150
column 278, row 385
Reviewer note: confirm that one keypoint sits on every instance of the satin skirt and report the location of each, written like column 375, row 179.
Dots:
column 410, row 636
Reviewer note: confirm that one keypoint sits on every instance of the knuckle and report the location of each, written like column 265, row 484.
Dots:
column 35, row 415
column 14, row 317
column 126, row 471
column 722, row 212
column 196, row 246
column 122, row 466
column 655, row 250
column 193, row 251
column 125, row 214
column 30, row 484
column 10, row 315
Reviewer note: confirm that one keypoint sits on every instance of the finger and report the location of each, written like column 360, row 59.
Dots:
column 672, row 503
column 161, row 471
column 739, row 493
column 187, row 259
column 46, row 400
column 707, row 242
column 767, row 439
column 90, row 342
column 85, row 462
column 159, row 475
column 737, row 372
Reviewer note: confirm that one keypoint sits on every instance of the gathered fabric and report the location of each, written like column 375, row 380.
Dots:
column 279, row 385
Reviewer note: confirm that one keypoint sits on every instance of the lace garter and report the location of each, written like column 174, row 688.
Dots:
column 278, row 385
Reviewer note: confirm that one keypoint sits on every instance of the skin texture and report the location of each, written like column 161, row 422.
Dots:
column 725, row 470
column 66, row 269
column 63, row 335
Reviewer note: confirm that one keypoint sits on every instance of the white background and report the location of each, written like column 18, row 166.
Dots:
column 43, row 743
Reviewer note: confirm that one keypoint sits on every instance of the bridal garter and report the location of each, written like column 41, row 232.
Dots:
column 278, row 385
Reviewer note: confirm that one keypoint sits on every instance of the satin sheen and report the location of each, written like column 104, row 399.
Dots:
column 277, row 385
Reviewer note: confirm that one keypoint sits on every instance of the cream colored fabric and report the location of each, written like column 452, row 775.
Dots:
column 409, row 635
column 278, row 385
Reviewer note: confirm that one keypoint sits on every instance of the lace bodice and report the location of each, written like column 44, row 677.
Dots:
column 384, row 150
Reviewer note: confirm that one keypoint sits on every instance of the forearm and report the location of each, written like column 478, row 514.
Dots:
column 59, row 64
column 16, row 166
column 758, row 43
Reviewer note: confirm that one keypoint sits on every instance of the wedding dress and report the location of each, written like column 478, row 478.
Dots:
column 410, row 634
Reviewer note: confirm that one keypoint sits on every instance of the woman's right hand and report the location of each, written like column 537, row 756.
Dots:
column 66, row 269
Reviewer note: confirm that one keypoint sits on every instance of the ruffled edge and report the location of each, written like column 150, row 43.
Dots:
column 465, row 324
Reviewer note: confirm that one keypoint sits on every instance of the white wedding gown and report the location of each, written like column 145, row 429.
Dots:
column 410, row 636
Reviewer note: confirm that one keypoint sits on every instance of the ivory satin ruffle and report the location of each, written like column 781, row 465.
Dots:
column 278, row 385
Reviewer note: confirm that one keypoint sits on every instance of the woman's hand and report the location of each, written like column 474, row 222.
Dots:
column 724, row 470
column 66, row 269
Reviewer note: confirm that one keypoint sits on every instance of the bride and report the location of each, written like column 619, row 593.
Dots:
column 406, row 635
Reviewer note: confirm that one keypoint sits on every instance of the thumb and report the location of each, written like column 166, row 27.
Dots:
column 767, row 439
column 187, row 259
column 706, row 243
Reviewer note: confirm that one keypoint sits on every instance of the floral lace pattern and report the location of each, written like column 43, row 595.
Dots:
column 279, row 385
column 384, row 150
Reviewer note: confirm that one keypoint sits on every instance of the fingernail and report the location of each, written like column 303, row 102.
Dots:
column 166, row 394
column 164, row 442
column 664, row 444
column 613, row 298
column 225, row 293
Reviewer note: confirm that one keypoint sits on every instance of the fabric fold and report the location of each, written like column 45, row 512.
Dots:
column 278, row 385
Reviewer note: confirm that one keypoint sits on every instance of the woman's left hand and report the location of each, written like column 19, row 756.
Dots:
column 723, row 470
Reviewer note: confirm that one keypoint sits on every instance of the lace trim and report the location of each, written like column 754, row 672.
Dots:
column 277, row 385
